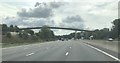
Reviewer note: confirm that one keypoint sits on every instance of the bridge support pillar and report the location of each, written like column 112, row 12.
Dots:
column 75, row 35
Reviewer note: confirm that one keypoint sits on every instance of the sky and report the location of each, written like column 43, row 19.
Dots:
column 80, row 14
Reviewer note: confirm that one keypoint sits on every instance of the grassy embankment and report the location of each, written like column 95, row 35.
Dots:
column 16, row 41
column 0, row 45
column 111, row 45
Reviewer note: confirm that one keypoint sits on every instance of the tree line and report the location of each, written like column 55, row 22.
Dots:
column 104, row 33
column 44, row 34
column 47, row 35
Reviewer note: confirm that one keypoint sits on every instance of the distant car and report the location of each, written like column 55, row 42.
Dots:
column 110, row 39
column 62, row 39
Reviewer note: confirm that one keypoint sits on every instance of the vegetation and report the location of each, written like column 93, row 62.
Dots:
column 104, row 33
column 9, row 35
column 45, row 34
column 12, row 34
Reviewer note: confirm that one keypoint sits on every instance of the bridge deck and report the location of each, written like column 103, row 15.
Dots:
column 56, row 28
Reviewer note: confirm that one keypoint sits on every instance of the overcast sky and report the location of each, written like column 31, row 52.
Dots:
column 81, row 14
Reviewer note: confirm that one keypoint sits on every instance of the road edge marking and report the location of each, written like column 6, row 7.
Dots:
column 104, row 52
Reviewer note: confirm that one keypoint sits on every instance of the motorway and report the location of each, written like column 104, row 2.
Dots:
column 74, row 50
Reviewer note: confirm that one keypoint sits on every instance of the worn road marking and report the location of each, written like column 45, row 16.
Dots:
column 25, row 48
column 16, row 47
column 67, row 53
column 104, row 53
column 47, row 48
column 30, row 54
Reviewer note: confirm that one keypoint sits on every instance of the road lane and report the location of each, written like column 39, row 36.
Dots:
column 18, row 49
column 18, row 55
column 81, row 52
column 55, row 51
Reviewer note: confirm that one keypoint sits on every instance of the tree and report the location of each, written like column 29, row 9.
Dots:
column 34, row 37
column 9, row 35
column 16, row 29
column 31, row 32
column 46, row 33
column 20, row 35
column 78, row 35
column 115, row 29
column 52, row 36
column 87, row 35
column 4, row 29
column 101, row 34
column 11, row 28
column 37, row 34
column 72, row 35
column 25, row 35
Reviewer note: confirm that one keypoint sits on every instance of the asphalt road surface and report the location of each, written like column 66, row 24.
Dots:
column 74, row 50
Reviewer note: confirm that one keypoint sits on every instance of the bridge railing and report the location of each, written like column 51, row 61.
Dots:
column 56, row 28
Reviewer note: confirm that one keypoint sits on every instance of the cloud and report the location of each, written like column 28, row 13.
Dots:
column 36, row 12
column 104, row 4
column 73, row 22
column 28, row 22
column 37, row 16
column 56, row 4
column 71, row 19
column 41, row 10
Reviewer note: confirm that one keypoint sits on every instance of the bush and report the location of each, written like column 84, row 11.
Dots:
column 9, row 35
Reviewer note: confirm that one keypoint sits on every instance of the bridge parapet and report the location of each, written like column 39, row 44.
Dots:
column 56, row 28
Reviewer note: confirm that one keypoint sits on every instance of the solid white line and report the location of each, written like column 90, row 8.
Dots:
column 67, row 53
column 30, row 54
column 104, row 52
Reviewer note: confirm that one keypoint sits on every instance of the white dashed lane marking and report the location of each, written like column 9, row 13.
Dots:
column 30, row 54
column 67, row 53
